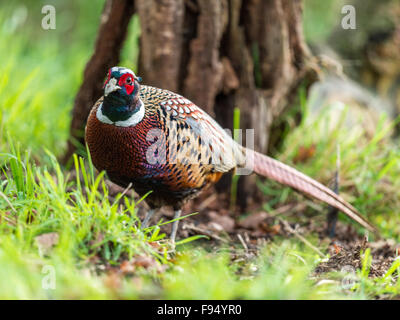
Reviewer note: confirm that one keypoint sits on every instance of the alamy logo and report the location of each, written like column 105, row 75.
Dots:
column 49, row 278
column 350, row 277
column 49, row 20
column 349, row 20
column 185, row 148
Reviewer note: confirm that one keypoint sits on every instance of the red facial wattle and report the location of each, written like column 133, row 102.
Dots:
column 127, row 82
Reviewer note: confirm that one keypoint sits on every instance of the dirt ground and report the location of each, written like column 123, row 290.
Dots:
column 224, row 226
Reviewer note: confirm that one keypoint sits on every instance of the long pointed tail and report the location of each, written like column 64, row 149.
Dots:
column 275, row 170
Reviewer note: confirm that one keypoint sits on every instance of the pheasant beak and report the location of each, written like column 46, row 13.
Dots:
column 111, row 86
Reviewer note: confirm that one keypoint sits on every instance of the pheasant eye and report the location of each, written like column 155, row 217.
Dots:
column 128, row 80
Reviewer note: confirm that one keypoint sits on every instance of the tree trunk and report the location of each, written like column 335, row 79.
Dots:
column 112, row 31
column 220, row 54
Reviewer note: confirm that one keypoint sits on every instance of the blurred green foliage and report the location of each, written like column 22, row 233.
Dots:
column 320, row 18
column 41, row 70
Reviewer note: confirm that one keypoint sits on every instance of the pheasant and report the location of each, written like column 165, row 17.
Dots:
column 159, row 141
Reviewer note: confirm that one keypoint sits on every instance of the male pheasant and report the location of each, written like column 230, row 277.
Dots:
column 159, row 141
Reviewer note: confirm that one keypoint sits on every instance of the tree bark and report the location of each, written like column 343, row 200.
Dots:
column 220, row 54
column 112, row 31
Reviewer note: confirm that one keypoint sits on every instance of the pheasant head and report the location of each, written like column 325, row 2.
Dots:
column 121, row 105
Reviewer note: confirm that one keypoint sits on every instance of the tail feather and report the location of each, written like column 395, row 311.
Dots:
column 275, row 170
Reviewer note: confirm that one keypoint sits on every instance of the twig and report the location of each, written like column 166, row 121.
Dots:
column 126, row 189
column 243, row 243
column 333, row 212
column 8, row 201
column 4, row 216
column 246, row 237
column 300, row 237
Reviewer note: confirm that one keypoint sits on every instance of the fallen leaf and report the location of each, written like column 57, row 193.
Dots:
column 154, row 244
column 304, row 153
column 144, row 261
column 127, row 267
column 225, row 221
column 337, row 248
column 214, row 226
column 273, row 230
column 113, row 281
column 46, row 242
column 254, row 220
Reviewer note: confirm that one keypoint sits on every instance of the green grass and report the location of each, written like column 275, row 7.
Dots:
column 91, row 229
column 98, row 235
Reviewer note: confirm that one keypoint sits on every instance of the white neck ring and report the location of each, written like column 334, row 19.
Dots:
column 132, row 121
